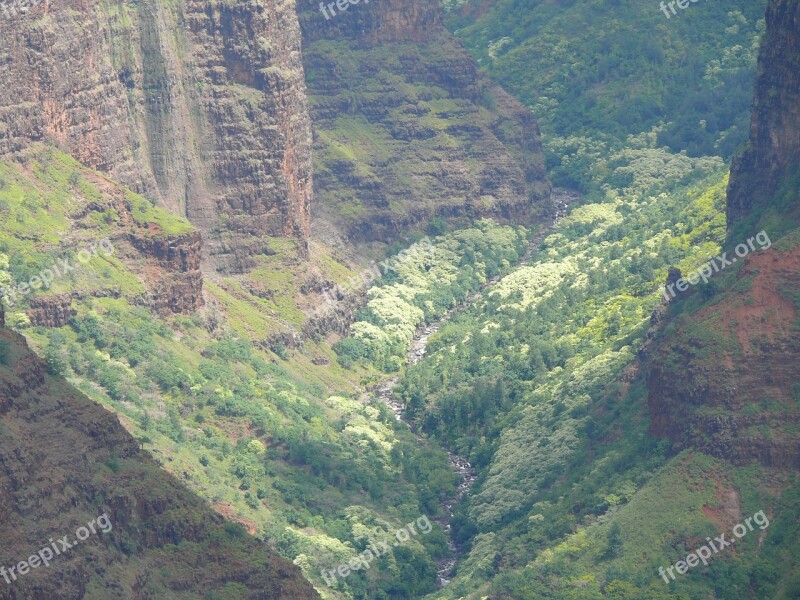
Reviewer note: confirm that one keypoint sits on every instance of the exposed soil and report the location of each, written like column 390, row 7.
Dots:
column 764, row 312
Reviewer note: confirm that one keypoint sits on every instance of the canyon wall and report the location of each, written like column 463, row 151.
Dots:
column 773, row 152
column 723, row 370
column 407, row 129
column 200, row 107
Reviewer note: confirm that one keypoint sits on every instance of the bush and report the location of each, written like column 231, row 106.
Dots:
column 167, row 376
column 349, row 351
column 281, row 351
column 233, row 406
column 53, row 354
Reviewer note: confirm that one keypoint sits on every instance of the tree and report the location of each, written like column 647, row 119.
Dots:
column 615, row 543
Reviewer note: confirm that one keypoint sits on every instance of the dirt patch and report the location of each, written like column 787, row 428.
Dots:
column 227, row 511
column 728, row 510
column 763, row 311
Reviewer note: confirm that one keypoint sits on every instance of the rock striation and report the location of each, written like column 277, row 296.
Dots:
column 773, row 152
column 200, row 107
column 407, row 129
column 179, row 287
column 725, row 380
column 51, row 310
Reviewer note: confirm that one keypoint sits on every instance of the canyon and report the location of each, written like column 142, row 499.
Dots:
column 247, row 158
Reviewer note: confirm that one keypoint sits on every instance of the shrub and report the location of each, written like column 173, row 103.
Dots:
column 167, row 376
column 349, row 351
column 281, row 351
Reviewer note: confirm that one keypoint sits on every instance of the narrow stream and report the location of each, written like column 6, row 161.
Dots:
column 385, row 391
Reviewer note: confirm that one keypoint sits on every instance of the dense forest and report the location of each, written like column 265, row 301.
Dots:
column 608, row 429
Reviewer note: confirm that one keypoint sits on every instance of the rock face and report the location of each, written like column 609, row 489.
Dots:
column 406, row 129
column 199, row 106
column 64, row 461
column 179, row 253
column 377, row 23
column 180, row 288
column 725, row 381
column 51, row 311
column 773, row 152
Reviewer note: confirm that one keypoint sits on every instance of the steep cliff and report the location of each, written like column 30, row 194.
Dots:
column 725, row 362
column 198, row 106
column 64, row 462
column 773, row 152
column 87, row 236
column 406, row 129
column 723, row 379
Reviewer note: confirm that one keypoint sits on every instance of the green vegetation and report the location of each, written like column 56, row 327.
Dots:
column 311, row 472
column 5, row 352
column 424, row 284
column 534, row 383
column 144, row 212
column 594, row 72
column 264, row 435
column 528, row 385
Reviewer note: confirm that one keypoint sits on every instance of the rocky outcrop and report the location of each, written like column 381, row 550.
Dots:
column 773, row 152
column 407, row 129
column 198, row 106
column 181, row 293
column 167, row 262
column 179, row 253
column 335, row 315
column 51, row 311
column 180, row 289
column 65, row 461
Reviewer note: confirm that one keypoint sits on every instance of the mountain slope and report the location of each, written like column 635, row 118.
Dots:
column 594, row 72
column 269, row 433
column 159, row 540
column 407, row 130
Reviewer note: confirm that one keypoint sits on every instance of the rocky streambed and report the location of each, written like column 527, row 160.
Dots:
column 418, row 349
